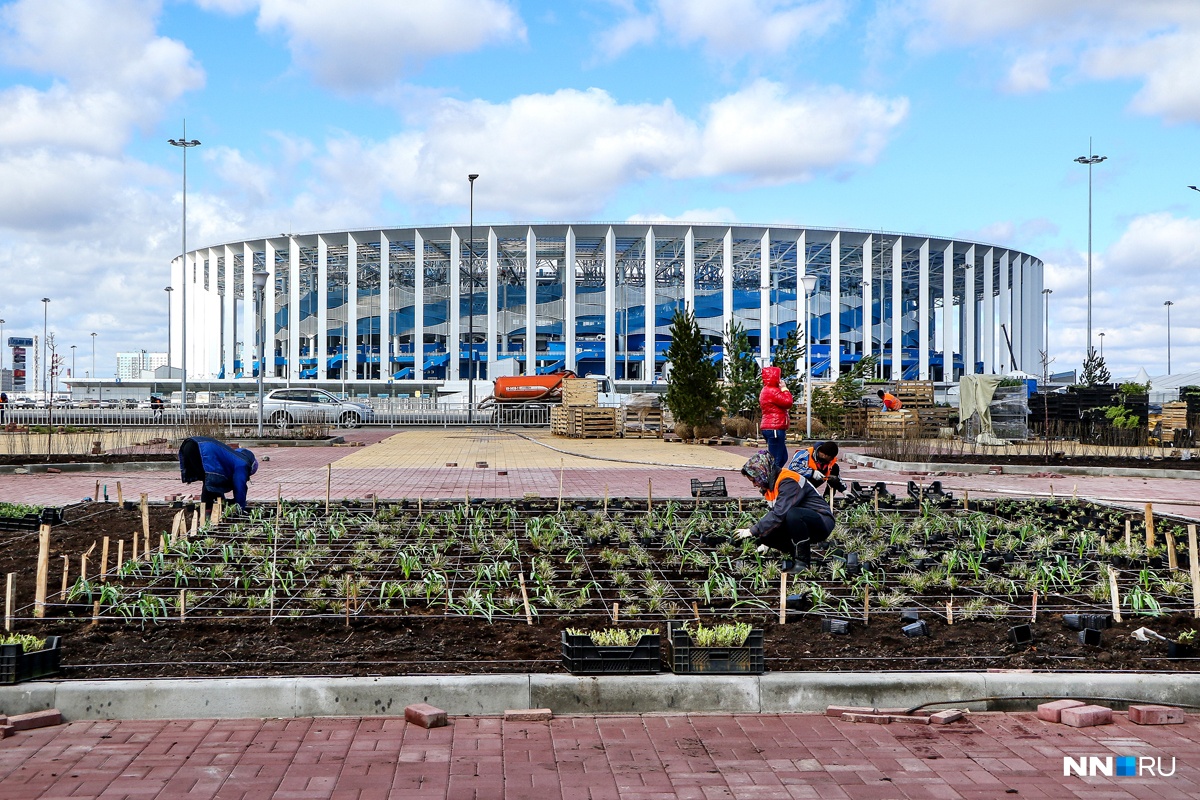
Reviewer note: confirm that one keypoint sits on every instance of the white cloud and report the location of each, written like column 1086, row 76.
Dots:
column 771, row 137
column 363, row 45
column 1154, row 41
column 630, row 32
column 722, row 214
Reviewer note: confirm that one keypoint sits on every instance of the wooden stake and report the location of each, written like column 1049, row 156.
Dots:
column 43, row 569
column 1149, row 525
column 1052, row 491
column 1116, row 597
column 279, row 500
column 182, row 605
column 218, row 511
column 134, row 553
column 120, row 554
column 62, row 593
column 616, row 613
column 649, row 494
column 875, row 500
column 1075, row 492
column 525, row 599
column 145, row 517
column 328, row 483
column 866, row 605
column 783, row 598
column 949, row 612
column 146, row 550
column 606, row 499
column 560, row 483
column 1194, row 569
column 95, row 613
column 120, row 495
column 966, row 500
column 1172, row 558
column 346, row 592
column 176, row 524
column 696, row 610
column 10, row 599
column 104, row 561
column 1033, row 614
column 162, row 543
column 1128, row 535
column 96, row 495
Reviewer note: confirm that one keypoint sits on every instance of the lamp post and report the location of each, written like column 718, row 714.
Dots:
column 168, row 290
column 471, row 318
column 2, row 346
column 1168, row 304
column 185, row 143
column 72, row 361
column 1046, row 367
column 260, row 277
column 45, row 349
column 94, row 362
column 1101, row 345
column 810, row 286
column 1090, row 160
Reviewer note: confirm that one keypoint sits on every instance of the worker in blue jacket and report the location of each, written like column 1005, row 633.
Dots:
column 221, row 468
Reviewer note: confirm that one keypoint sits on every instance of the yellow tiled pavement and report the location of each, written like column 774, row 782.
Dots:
column 436, row 447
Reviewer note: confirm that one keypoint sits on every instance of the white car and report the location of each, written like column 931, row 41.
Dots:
column 285, row 407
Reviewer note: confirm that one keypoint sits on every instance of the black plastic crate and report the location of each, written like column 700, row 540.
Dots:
column 16, row 665
column 581, row 656
column 685, row 658
column 31, row 522
column 713, row 488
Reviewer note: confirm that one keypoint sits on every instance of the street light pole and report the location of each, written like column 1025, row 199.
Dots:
column 168, row 290
column 1090, row 160
column 810, row 285
column 471, row 317
column 94, row 359
column 185, row 143
column 73, row 359
column 45, row 349
column 1168, row 304
column 2, row 346
column 260, row 283
column 1046, row 367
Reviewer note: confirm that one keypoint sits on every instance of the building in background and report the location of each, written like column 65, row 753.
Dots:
column 598, row 298
column 139, row 365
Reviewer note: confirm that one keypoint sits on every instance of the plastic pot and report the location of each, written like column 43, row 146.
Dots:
column 1179, row 650
column 838, row 626
column 1089, row 636
column 1079, row 622
column 1020, row 634
column 910, row 615
column 914, row 629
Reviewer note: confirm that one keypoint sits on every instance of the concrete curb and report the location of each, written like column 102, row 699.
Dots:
column 778, row 692
column 982, row 469
column 91, row 466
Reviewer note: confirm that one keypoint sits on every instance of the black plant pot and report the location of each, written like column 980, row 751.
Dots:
column 838, row 626
column 915, row 629
column 909, row 615
column 798, row 602
column 1179, row 650
column 1089, row 636
column 1020, row 634
column 1079, row 622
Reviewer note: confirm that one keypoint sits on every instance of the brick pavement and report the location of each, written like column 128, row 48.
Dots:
column 689, row 757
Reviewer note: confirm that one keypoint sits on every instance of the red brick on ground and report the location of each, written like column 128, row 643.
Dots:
column 878, row 719
column 837, row 711
column 946, row 717
column 1050, row 711
column 528, row 715
column 425, row 715
column 6, row 731
column 1086, row 716
column 1156, row 715
column 35, row 719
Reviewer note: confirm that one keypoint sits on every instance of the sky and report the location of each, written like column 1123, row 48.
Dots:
column 951, row 118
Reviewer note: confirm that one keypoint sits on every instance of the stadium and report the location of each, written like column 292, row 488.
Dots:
column 536, row 298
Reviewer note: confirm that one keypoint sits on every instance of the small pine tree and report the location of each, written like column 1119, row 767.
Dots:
column 693, row 389
column 743, row 382
column 788, row 354
column 1095, row 372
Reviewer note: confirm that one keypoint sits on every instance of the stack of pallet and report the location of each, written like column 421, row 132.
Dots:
column 917, row 396
column 902, row 424
column 579, row 417
column 1174, row 418
column 642, row 423
column 580, row 392
column 592, row 423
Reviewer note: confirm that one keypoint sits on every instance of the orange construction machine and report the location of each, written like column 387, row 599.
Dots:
column 528, row 389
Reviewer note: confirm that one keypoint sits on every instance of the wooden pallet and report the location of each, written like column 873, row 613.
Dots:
column 902, row 424
column 558, row 421
column 1174, row 417
column 580, row 392
column 592, row 423
column 642, row 423
column 914, row 394
column 932, row 420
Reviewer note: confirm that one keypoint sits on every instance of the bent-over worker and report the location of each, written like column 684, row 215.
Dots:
column 798, row 515
column 221, row 468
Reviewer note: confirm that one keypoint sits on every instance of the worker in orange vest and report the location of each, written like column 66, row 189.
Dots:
column 818, row 464
column 890, row 401
column 797, row 515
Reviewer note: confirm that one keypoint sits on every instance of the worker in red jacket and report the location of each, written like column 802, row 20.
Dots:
column 890, row 401
column 775, row 400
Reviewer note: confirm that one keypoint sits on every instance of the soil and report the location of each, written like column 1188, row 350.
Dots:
column 417, row 643
column 66, row 458
column 1063, row 461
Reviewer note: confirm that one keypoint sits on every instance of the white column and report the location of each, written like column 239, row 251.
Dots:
column 946, row 334
column 293, row 309
column 835, row 306
column 764, row 298
column 454, row 337
column 530, row 302
column 897, row 309
column 270, row 313
column 350, row 366
column 229, row 315
column 418, row 335
column 651, row 272
column 689, row 271
column 923, row 339
column 1005, row 359
column 610, row 305
column 988, row 302
column 569, row 291
column 1037, row 285
column 248, row 319
column 801, row 271
column 493, row 264
column 385, row 306
column 970, row 342
column 726, row 289
column 322, row 338
column 868, row 296
column 175, row 300
column 1018, row 309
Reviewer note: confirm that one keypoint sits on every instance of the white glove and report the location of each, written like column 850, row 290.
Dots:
column 742, row 533
column 762, row 549
column 818, row 475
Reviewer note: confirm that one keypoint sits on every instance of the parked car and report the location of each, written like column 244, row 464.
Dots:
column 286, row 407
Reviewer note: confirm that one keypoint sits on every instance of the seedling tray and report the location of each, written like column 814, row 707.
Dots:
column 17, row 666
column 686, row 658
column 580, row 656
column 31, row 522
